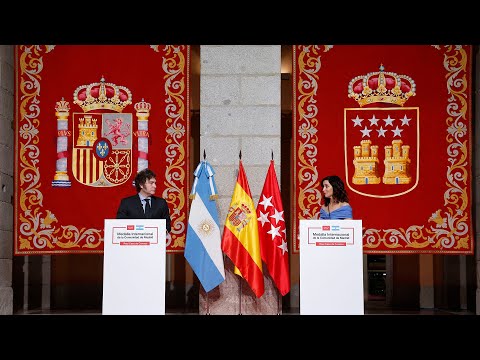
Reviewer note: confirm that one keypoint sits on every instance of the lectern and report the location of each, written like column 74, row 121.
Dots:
column 331, row 267
column 134, row 267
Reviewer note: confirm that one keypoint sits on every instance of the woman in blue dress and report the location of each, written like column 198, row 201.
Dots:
column 335, row 205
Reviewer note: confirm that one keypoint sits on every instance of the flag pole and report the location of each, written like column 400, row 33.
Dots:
column 208, row 307
column 240, row 297
column 241, row 278
column 278, row 292
column 278, row 303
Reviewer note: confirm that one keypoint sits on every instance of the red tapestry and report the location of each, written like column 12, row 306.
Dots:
column 394, row 122
column 87, row 119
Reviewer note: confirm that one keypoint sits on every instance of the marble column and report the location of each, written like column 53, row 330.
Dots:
column 240, row 110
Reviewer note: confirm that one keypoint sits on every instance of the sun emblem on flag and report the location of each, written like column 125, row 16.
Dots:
column 206, row 227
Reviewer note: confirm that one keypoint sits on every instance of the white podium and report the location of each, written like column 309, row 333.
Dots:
column 134, row 267
column 331, row 267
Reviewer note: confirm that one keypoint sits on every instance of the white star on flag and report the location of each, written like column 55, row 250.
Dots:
column 274, row 231
column 278, row 216
column 263, row 218
column 266, row 202
column 283, row 246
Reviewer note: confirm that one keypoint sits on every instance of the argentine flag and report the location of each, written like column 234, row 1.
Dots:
column 203, row 243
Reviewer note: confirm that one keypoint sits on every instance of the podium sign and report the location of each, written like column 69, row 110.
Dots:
column 331, row 267
column 134, row 267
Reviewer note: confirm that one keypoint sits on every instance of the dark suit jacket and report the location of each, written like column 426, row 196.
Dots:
column 131, row 208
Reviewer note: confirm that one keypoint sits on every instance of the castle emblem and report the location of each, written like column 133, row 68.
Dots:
column 239, row 216
column 102, row 149
column 382, row 137
column 101, row 136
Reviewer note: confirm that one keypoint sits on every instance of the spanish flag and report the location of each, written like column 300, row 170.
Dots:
column 240, row 241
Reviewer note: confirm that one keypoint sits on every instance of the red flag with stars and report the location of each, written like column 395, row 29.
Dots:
column 272, row 232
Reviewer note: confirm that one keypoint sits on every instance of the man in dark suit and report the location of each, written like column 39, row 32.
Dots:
column 145, row 205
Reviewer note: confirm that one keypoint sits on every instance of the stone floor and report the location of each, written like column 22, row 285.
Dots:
column 370, row 309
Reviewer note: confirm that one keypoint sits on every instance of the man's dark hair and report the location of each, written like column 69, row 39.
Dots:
column 142, row 177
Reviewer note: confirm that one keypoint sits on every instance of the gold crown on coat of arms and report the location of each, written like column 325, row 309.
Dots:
column 102, row 95
column 381, row 87
column 143, row 107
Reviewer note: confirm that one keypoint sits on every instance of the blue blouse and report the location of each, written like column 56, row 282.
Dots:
column 341, row 213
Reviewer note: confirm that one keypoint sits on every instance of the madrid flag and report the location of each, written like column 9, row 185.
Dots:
column 240, row 240
column 272, row 232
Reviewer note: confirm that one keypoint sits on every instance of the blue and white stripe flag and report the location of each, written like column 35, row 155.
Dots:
column 203, row 243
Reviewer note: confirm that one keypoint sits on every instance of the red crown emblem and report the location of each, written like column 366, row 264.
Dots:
column 381, row 87
column 101, row 95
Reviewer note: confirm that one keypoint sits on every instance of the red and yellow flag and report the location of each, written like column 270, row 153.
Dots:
column 240, row 241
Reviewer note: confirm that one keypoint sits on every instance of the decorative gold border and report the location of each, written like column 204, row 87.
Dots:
column 449, row 229
column 305, row 149
column 36, row 229
column 175, row 65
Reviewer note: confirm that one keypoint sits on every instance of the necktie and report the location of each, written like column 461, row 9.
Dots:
column 148, row 208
